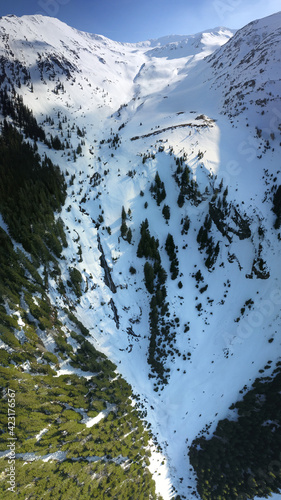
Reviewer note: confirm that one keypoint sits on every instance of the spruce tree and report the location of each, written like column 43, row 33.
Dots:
column 149, row 277
column 166, row 212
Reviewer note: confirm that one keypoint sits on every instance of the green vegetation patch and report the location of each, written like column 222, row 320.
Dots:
column 30, row 191
column 242, row 460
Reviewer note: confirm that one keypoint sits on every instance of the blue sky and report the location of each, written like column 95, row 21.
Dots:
column 132, row 21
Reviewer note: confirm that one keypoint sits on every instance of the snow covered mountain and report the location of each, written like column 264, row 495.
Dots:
column 171, row 153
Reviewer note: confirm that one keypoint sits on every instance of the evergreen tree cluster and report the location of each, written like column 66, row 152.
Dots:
column 20, row 114
column 126, row 232
column 185, row 225
column 75, row 281
column 277, row 207
column 161, row 337
column 146, row 156
column 148, row 245
column 13, row 72
column 157, row 189
column 54, row 143
column 59, row 88
column 30, row 191
column 206, row 242
column 116, row 141
column 221, row 201
column 14, row 269
column 149, row 276
column 171, row 251
column 219, row 210
column 188, row 186
column 166, row 212
column 242, row 460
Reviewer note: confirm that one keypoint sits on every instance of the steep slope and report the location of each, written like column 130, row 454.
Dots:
column 61, row 400
column 172, row 173
column 253, row 61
